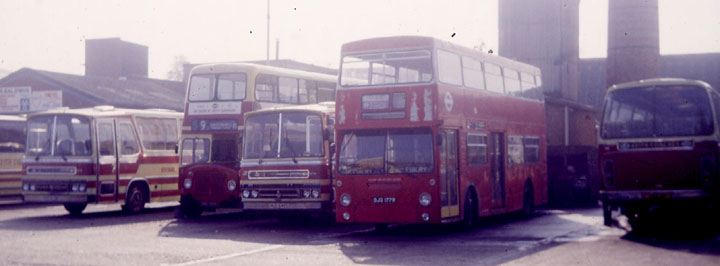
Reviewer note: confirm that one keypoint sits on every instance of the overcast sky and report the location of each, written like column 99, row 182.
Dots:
column 49, row 35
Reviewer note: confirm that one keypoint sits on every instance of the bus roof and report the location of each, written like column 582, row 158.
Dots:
column 215, row 68
column 323, row 107
column 659, row 82
column 405, row 42
column 19, row 118
column 109, row 111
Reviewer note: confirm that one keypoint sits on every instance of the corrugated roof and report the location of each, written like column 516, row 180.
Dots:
column 133, row 92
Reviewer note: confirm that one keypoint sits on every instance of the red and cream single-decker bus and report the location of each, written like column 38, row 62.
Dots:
column 287, row 154
column 431, row 132
column 658, row 146
column 12, row 148
column 101, row 155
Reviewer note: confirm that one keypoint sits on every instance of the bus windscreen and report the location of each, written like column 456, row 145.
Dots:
column 657, row 111
column 387, row 152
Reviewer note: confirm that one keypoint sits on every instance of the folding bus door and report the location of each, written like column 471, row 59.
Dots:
column 449, row 174
column 107, row 174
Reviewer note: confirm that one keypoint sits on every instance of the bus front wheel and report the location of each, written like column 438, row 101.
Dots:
column 190, row 207
column 75, row 209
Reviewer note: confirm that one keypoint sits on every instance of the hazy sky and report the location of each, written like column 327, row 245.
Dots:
column 49, row 35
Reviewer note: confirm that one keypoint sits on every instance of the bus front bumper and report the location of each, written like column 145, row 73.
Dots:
column 282, row 205
column 55, row 198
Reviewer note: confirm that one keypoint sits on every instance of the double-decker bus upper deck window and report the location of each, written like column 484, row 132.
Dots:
column 13, row 137
column 232, row 86
column 202, row 87
column 531, row 86
column 512, row 82
column 493, row 78
column 288, row 90
column 449, row 68
column 390, row 151
column 473, row 76
column 386, row 68
column 657, row 111
column 266, row 88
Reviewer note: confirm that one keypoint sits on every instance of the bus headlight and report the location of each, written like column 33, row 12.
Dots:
column 231, row 185
column 32, row 187
column 306, row 193
column 425, row 217
column 425, row 199
column 74, row 188
column 246, row 193
column 345, row 200
column 187, row 183
column 346, row 216
column 315, row 193
column 82, row 187
column 254, row 193
column 26, row 187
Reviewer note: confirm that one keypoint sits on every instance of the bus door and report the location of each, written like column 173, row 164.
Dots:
column 107, row 175
column 449, row 188
column 128, row 152
column 497, row 169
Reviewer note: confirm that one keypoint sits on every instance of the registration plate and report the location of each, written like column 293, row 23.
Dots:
column 383, row 200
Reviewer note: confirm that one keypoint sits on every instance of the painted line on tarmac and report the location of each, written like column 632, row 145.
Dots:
column 232, row 255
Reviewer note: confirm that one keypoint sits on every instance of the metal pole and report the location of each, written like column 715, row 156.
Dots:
column 267, row 50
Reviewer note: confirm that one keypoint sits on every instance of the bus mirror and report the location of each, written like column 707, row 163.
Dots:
column 438, row 140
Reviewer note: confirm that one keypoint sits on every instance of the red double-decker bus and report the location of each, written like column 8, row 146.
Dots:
column 218, row 96
column 431, row 132
column 658, row 146
column 287, row 158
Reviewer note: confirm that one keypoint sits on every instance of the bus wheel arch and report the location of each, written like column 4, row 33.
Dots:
column 528, row 197
column 137, row 194
column 470, row 207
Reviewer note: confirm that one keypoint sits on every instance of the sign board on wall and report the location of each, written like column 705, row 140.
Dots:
column 23, row 100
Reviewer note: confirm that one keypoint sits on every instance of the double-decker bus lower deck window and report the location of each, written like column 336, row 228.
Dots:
column 70, row 133
column 386, row 152
column 387, row 68
column 194, row 150
column 657, row 111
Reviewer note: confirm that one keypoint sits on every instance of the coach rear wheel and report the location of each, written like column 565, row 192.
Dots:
column 75, row 209
column 135, row 201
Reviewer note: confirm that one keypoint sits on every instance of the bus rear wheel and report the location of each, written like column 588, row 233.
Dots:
column 470, row 210
column 75, row 209
column 135, row 202
column 528, row 199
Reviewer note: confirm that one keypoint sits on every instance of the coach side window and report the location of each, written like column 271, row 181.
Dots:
column 288, row 90
column 127, row 139
column 326, row 92
column 158, row 133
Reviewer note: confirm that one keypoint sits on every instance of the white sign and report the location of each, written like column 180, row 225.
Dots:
column 14, row 99
column 214, row 108
column 24, row 100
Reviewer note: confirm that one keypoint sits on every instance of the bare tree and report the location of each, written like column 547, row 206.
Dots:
column 177, row 71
